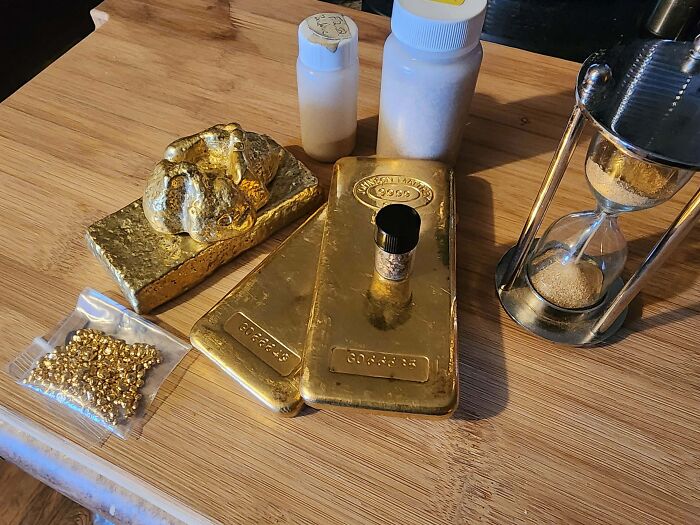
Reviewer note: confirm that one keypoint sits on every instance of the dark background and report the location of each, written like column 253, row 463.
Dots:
column 570, row 29
column 33, row 33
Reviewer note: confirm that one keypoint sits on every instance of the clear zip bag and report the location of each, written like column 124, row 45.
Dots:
column 101, row 367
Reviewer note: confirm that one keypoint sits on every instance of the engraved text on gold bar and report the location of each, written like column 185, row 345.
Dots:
column 259, row 341
column 380, row 364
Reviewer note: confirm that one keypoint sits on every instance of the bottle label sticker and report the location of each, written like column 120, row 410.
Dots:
column 329, row 25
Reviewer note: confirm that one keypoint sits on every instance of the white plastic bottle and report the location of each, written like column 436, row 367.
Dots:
column 431, row 62
column 327, row 75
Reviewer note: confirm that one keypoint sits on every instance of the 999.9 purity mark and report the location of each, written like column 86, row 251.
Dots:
column 377, row 191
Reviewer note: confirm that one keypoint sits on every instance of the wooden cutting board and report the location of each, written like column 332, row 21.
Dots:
column 543, row 433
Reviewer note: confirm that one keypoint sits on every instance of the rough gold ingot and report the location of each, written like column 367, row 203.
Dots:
column 152, row 267
column 211, row 184
column 374, row 344
column 256, row 333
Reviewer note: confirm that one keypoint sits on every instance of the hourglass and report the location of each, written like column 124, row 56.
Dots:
column 644, row 101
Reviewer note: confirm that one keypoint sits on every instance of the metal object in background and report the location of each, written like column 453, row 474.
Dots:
column 570, row 29
column 644, row 101
column 691, row 65
column 674, row 19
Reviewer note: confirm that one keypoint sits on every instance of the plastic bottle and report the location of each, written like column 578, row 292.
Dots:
column 431, row 62
column 327, row 75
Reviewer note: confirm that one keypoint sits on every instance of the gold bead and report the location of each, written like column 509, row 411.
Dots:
column 98, row 372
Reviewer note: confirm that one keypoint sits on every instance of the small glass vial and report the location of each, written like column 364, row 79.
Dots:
column 327, row 76
column 396, row 236
column 431, row 62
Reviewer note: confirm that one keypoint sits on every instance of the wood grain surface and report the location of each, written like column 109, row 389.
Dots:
column 543, row 434
column 26, row 501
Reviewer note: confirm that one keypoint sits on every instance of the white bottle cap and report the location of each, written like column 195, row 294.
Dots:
column 438, row 25
column 327, row 41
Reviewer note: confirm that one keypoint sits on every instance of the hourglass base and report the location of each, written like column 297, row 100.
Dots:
column 560, row 325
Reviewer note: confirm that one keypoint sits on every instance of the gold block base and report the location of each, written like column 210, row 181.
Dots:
column 256, row 333
column 151, row 267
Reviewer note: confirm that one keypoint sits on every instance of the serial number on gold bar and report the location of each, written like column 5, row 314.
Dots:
column 380, row 364
column 259, row 341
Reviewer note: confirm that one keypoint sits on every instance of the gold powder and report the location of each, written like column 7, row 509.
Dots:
column 627, row 181
column 97, row 373
column 569, row 285
column 614, row 189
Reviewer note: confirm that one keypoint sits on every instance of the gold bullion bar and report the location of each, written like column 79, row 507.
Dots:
column 256, row 333
column 152, row 268
column 392, row 356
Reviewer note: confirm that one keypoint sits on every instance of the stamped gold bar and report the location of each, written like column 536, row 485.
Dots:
column 256, row 333
column 380, row 364
column 260, row 342
column 152, row 267
column 375, row 344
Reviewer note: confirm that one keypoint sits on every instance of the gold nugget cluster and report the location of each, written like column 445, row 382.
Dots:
column 211, row 184
column 98, row 372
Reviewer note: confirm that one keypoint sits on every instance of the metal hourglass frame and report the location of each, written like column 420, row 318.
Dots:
column 644, row 98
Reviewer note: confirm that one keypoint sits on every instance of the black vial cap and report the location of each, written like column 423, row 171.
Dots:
column 398, row 228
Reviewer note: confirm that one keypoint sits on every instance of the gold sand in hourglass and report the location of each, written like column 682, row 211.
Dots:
column 570, row 285
column 627, row 181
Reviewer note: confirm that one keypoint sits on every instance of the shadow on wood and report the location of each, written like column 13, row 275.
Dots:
column 482, row 371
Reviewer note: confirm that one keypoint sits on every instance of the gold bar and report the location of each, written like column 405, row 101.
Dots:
column 256, row 333
column 152, row 268
column 374, row 344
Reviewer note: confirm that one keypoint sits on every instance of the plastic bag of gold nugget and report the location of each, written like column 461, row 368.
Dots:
column 101, row 367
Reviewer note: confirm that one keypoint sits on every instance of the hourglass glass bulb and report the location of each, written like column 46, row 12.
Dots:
column 577, row 259
column 622, row 183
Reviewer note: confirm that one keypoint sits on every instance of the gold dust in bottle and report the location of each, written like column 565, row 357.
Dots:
column 382, row 333
column 396, row 236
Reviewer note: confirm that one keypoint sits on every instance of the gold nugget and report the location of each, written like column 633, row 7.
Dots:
column 152, row 267
column 211, row 184
column 97, row 373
